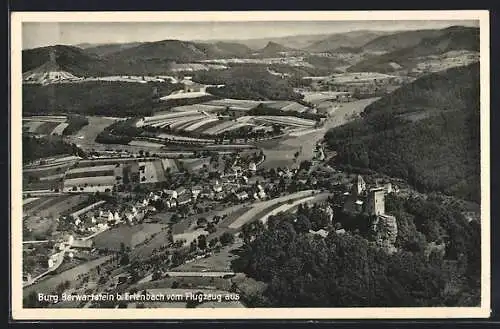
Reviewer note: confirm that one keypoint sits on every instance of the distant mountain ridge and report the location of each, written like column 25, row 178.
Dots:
column 423, row 43
column 157, row 57
column 354, row 39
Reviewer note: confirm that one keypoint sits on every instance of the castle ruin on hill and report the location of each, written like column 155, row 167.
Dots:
column 371, row 202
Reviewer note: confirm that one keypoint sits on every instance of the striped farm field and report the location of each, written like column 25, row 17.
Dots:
column 160, row 173
column 206, row 126
column 286, row 120
column 221, row 126
column 34, row 206
column 104, row 162
column 162, row 118
column 183, row 139
column 201, row 123
column 66, row 204
column 60, row 128
column 46, row 172
column 46, row 118
column 187, row 124
column 178, row 123
column 98, row 180
column 234, row 127
column 53, row 206
column 52, row 177
column 145, row 144
column 90, row 170
column 52, row 162
column 196, row 107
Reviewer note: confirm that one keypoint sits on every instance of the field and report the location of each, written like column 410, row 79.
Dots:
column 192, row 165
column 48, row 285
column 189, row 236
column 50, row 124
column 218, row 262
column 145, row 250
column 130, row 236
column 53, row 206
column 86, row 136
column 153, row 172
column 89, row 181
column 40, row 228
column 169, row 164
column 145, row 144
column 258, row 208
column 82, row 211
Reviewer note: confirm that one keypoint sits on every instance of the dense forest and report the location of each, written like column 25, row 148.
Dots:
column 75, row 123
column 35, row 148
column 247, row 82
column 426, row 132
column 95, row 98
column 347, row 270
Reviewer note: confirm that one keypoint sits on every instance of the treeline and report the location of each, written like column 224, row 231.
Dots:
column 261, row 109
column 95, row 98
column 346, row 270
column 35, row 148
column 247, row 82
column 120, row 132
column 417, row 135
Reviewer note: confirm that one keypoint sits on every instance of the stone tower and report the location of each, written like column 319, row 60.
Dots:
column 360, row 185
column 376, row 201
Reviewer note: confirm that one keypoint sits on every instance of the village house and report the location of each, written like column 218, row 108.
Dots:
column 241, row 196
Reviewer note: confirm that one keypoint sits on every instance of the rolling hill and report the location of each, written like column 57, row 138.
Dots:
column 426, row 132
column 354, row 39
column 399, row 40
column 430, row 43
column 179, row 51
column 273, row 49
column 63, row 58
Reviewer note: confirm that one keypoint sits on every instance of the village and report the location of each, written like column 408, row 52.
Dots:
column 201, row 212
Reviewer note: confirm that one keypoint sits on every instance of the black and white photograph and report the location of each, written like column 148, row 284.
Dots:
column 259, row 164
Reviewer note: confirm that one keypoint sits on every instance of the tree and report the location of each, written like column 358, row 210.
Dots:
column 213, row 242
column 124, row 260
column 156, row 275
column 302, row 225
column 226, row 238
column 211, row 228
column 202, row 221
column 202, row 242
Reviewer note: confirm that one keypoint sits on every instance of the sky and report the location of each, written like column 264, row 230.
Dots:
column 35, row 34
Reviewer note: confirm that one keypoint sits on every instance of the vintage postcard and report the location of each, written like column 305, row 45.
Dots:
column 250, row 165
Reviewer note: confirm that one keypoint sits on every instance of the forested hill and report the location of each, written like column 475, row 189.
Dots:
column 426, row 132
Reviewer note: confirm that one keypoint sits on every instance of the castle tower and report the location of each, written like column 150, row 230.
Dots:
column 376, row 201
column 359, row 186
